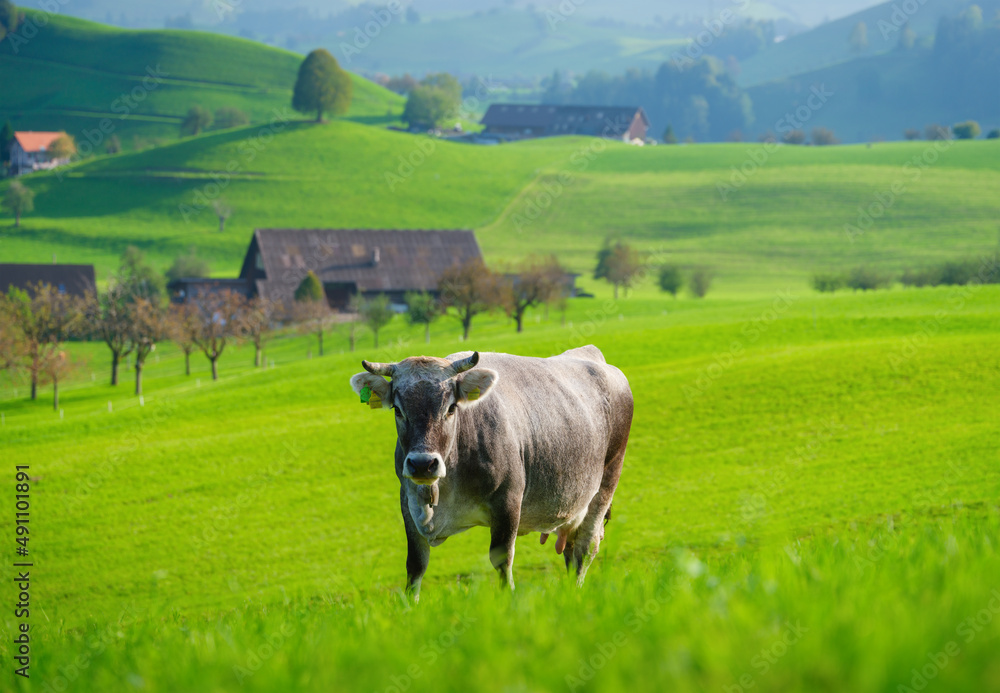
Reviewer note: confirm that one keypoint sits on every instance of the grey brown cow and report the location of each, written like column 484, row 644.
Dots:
column 512, row 443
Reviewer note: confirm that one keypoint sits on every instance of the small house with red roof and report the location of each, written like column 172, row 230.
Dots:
column 30, row 152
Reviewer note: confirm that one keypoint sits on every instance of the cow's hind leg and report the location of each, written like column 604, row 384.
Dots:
column 418, row 551
column 587, row 540
column 506, row 517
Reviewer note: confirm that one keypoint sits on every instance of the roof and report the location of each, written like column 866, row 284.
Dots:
column 371, row 260
column 36, row 141
column 568, row 120
column 73, row 279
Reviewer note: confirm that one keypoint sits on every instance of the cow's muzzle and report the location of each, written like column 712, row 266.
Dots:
column 423, row 467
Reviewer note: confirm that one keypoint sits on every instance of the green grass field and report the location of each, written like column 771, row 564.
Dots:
column 75, row 73
column 565, row 195
column 809, row 500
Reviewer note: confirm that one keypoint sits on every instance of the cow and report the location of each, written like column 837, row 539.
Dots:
column 512, row 443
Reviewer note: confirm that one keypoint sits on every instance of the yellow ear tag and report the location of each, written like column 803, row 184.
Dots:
column 375, row 402
column 473, row 394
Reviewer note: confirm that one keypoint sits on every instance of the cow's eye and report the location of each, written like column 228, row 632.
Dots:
column 452, row 409
column 399, row 413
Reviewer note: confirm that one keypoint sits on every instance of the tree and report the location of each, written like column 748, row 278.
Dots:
column 376, row 314
column 434, row 102
column 794, row 137
column 257, row 325
column 7, row 133
column 43, row 318
column 313, row 315
column 189, row 265
column 10, row 17
column 423, row 309
column 469, row 289
column 401, row 85
column 198, row 118
column 668, row 135
column 671, row 279
column 310, row 289
column 859, row 38
column 114, row 145
column 969, row 130
column 937, row 132
column 822, row 137
column 108, row 315
column 223, row 211
column 147, row 326
column 619, row 264
column 56, row 366
column 911, row 134
column 322, row 86
column 219, row 319
column 19, row 199
column 139, row 279
column 183, row 323
column 828, row 282
column 230, row 117
column 867, row 278
column 63, row 147
column 538, row 281
column 700, row 283
column 994, row 134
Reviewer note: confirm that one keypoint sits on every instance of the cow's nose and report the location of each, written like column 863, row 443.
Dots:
column 423, row 466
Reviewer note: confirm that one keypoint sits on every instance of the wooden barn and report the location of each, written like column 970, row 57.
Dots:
column 347, row 261
column 523, row 121
column 75, row 280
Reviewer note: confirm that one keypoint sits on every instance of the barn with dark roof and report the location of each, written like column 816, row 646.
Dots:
column 520, row 121
column 347, row 261
column 75, row 280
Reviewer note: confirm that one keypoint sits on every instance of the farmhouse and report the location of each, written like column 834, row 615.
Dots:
column 523, row 121
column 30, row 152
column 75, row 280
column 347, row 261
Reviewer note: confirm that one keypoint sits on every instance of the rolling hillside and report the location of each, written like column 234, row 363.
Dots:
column 74, row 73
column 562, row 195
column 829, row 43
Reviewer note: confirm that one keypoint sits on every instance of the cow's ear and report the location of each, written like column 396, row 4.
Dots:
column 475, row 385
column 376, row 386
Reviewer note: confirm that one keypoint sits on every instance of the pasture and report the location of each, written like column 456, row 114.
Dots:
column 809, row 503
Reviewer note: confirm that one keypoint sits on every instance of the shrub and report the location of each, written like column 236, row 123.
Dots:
column 912, row 134
column 230, row 117
column 822, row 137
column 969, row 130
column 919, row 278
column 700, row 282
column 867, row 278
column 794, row 137
column 671, row 280
column 937, row 132
column 994, row 134
column 828, row 282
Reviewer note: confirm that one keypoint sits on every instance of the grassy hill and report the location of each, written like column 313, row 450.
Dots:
column 74, row 73
column 563, row 195
column 245, row 534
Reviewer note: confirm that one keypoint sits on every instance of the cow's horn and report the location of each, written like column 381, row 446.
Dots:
column 384, row 369
column 465, row 364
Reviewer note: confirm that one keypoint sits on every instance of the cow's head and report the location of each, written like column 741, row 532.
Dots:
column 427, row 394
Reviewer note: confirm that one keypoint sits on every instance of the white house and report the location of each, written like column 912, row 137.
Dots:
column 29, row 152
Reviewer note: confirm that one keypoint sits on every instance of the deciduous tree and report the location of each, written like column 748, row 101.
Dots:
column 322, row 86
column 219, row 322
column 198, row 119
column 619, row 264
column 189, row 265
column 183, row 324
column 147, row 327
column 19, row 199
column 62, row 147
column 671, row 279
column 376, row 313
column 469, row 289
column 422, row 309
column 257, row 325
column 537, row 281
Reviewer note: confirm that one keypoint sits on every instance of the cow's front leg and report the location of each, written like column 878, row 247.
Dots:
column 506, row 517
column 418, row 550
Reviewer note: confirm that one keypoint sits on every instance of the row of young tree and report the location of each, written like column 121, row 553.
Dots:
column 623, row 266
column 948, row 273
